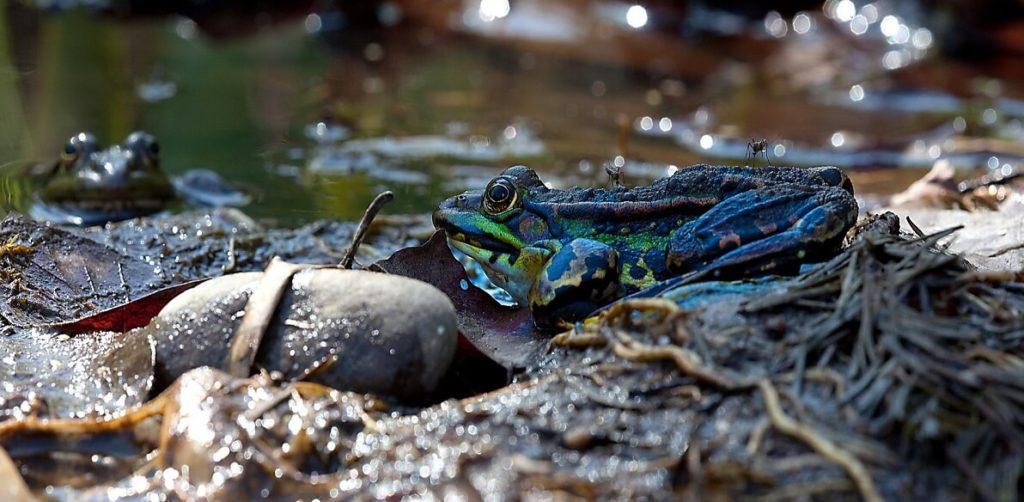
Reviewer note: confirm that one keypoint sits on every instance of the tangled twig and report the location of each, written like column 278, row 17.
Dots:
column 854, row 468
column 686, row 362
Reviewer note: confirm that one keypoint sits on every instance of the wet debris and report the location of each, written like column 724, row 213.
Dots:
column 48, row 374
column 851, row 380
column 940, row 189
column 56, row 277
column 927, row 348
column 892, row 364
column 891, row 371
column 990, row 240
column 199, row 245
column 208, row 436
column 51, row 275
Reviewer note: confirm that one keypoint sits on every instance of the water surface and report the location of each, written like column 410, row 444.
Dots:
column 429, row 108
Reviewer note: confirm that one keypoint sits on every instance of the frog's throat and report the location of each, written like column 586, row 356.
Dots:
column 515, row 271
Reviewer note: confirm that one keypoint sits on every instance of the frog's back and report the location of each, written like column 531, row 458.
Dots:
column 690, row 191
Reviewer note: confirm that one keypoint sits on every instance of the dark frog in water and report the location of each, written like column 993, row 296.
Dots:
column 567, row 252
column 91, row 185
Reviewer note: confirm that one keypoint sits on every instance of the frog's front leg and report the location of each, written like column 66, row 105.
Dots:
column 580, row 277
column 768, row 229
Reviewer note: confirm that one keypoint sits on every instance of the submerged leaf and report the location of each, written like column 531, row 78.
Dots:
column 49, row 275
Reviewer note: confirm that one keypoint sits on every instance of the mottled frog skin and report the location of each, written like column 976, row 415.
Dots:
column 566, row 253
column 91, row 185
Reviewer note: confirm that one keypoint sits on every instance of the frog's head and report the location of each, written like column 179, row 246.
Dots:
column 499, row 227
column 115, row 183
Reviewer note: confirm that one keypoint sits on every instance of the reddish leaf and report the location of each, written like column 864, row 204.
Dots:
column 131, row 315
column 506, row 335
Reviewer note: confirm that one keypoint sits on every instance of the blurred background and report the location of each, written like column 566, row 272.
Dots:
column 312, row 107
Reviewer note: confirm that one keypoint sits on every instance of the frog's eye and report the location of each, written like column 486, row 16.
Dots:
column 500, row 195
column 78, row 144
column 69, row 156
column 143, row 144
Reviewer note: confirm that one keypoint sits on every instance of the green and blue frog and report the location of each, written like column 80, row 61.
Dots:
column 565, row 253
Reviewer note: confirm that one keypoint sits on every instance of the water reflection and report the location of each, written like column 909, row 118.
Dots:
column 318, row 110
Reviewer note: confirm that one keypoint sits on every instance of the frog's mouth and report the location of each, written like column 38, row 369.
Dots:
column 481, row 244
column 140, row 205
column 484, row 235
column 120, row 196
column 497, row 258
column 91, row 211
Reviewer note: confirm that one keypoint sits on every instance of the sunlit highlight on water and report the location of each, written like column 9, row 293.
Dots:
column 802, row 23
column 775, row 25
column 837, row 139
column 856, row 93
column 922, row 38
column 313, row 23
column 186, row 28
column 892, row 60
column 845, row 10
column 859, row 25
column 890, row 24
column 989, row 116
column 893, row 29
column 902, row 35
column 870, row 12
column 636, row 16
column 493, row 9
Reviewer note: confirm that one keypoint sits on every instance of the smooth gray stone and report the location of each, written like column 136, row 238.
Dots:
column 392, row 335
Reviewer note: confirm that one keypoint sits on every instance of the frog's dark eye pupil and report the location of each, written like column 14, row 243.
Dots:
column 499, row 196
column 70, row 149
column 154, row 148
column 498, row 193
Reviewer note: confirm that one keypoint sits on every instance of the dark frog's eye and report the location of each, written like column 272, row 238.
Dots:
column 78, row 144
column 144, row 145
column 500, row 195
